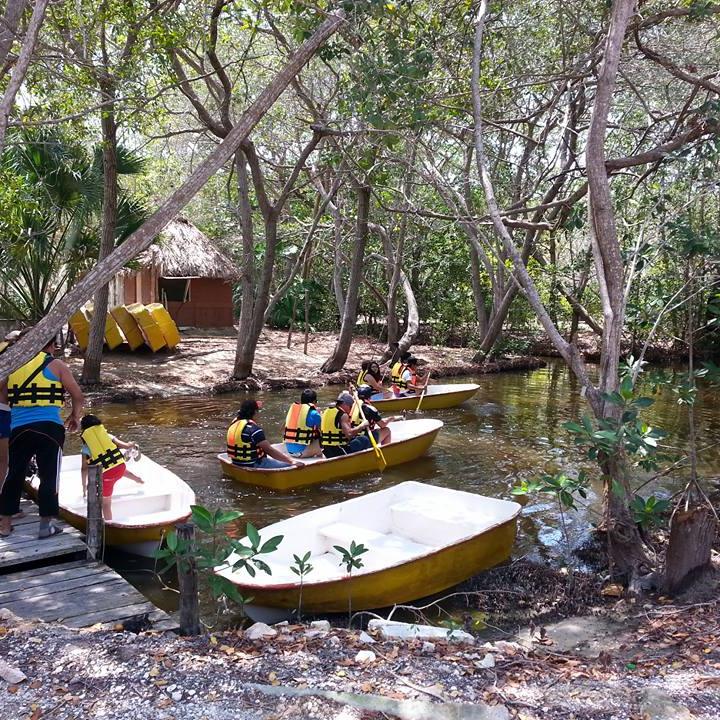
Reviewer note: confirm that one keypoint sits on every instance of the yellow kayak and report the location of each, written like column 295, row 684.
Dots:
column 421, row 540
column 410, row 439
column 437, row 397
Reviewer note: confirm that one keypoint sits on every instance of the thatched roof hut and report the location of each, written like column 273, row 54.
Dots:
column 187, row 272
column 183, row 251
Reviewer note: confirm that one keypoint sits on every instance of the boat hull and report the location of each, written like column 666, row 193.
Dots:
column 434, row 401
column 418, row 578
column 326, row 471
column 140, row 540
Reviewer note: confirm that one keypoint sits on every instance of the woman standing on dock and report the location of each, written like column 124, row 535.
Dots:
column 36, row 393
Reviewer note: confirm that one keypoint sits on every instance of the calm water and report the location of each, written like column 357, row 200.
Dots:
column 512, row 429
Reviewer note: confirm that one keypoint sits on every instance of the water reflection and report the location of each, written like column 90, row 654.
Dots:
column 512, row 429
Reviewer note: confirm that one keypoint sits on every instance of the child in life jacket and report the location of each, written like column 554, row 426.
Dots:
column 101, row 448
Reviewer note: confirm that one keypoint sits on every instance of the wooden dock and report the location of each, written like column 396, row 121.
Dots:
column 52, row 580
column 23, row 548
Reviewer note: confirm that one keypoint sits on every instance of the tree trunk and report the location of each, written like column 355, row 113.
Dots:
column 21, row 66
column 243, row 364
column 337, row 360
column 8, row 29
column 478, row 295
column 692, row 533
column 93, row 354
column 337, row 259
column 34, row 341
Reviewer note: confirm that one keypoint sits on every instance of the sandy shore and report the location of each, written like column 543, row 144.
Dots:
column 203, row 364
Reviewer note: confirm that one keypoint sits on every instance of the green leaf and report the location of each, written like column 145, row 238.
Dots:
column 171, row 540
column 202, row 518
column 223, row 517
column 272, row 544
column 253, row 535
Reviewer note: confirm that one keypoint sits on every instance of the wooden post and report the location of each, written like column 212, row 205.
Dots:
column 188, row 580
column 95, row 523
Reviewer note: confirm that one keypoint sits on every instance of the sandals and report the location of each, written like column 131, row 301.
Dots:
column 49, row 531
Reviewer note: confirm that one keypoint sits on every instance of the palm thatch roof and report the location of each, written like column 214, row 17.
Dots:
column 183, row 251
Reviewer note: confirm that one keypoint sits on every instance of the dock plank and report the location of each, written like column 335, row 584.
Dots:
column 23, row 546
column 77, row 594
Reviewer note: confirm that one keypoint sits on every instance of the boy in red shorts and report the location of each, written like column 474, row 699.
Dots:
column 101, row 448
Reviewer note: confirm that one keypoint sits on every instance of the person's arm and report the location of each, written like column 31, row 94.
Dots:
column 3, row 392
column 373, row 383
column 63, row 373
column 278, row 454
column 84, row 474
column 122, row 444
column 348, row 430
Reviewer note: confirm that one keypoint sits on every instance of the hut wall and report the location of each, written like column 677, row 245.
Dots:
column 140, row 287
column 210, row 304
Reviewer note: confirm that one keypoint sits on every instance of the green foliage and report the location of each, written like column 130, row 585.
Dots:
column 350, row 557
column 214, row 546
column 560, row 485
column 605, row 437
column 51, row 228
column 301, row 565
column 648, row 512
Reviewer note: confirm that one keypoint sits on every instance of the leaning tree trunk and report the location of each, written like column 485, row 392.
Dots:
column 337, row 360
column 93, row 355
column 34, row 341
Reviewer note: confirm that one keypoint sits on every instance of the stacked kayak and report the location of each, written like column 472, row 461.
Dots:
column 135, row 325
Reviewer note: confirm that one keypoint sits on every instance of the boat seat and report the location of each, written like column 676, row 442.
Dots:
column 141, row 504
column 343, row 534
column 430, row 525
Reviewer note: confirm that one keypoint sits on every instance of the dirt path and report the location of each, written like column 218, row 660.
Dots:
column 203, row 364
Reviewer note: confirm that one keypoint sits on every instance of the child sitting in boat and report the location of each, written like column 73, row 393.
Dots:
column 101, row 448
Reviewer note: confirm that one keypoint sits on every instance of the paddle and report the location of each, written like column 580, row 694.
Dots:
column 422, row 394
column 378, row 451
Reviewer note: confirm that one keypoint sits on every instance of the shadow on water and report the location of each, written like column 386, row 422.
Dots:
column 511, row 430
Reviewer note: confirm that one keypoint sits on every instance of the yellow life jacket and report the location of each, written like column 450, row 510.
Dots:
column 28, row 387
column 103, row 450
column 396, row 376
column 331, row 433
column 296, row 428
column 240, row 451
column 361, row 377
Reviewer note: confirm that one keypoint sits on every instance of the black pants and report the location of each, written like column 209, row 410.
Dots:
column 45, row 441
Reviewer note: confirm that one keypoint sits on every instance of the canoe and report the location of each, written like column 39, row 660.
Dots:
column 421, row 540
column 129, row 327
column 113, row 337
column 166, row 324
column 437, row 397
column 142, row 514
column 154, row 338
column 80, row 325
column 410, row 439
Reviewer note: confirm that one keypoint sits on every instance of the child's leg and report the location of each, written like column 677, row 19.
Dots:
column 130, row 474
column 107, row 507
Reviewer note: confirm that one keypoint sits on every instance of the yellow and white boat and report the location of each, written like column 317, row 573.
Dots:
column 437, row 397
column 420, row 540
column 142, row 514
column 410, row 439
